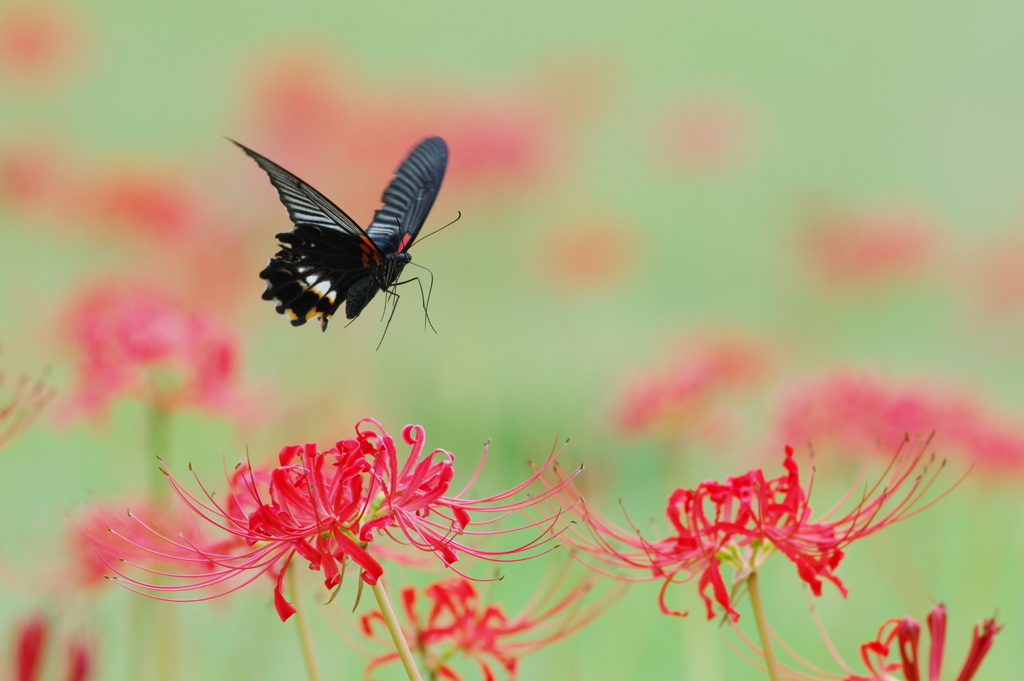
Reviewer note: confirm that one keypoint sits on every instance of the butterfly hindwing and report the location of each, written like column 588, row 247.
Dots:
column 409, row 197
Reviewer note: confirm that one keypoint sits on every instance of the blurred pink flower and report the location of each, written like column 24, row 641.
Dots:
column 458, row 622
column 709, row 134
column 678, row 395
column 134, row 341
column 588, row 253
column 742, row 522
column 329, row 506
column 37, row 39
column 29, row 178
column 871, row 247
column 859, row 413
column 31, row 639
column 143, row 202
column 997, row 277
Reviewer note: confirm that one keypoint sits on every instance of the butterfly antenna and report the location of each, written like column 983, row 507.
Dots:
column 436, row 231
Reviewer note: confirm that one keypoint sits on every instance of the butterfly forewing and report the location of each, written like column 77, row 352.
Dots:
column 409, row 197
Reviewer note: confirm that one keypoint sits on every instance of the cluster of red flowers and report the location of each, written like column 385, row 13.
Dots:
column 328, row 507
column 457, row 621
column 742, row 521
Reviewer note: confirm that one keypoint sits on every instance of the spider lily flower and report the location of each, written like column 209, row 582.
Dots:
column 136, row 342
column 904, row 634
column 329, row 508
column 458, row 622
column 740, row 523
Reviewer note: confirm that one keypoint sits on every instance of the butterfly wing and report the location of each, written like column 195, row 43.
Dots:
column 322, row 256
column 409, row 197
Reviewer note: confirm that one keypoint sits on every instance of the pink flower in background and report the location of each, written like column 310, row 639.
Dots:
column 902, row 635
column 458, row 622
column 37, row 39
column 329, row 506
column 857, row 413
column 587, row 254
column 707, row 135
column 870, row 247
column 143, row 202
column 996, row 275
column 743, row 521
column 29, row 178
column 30, row 645
column 135, row 342
column 679, row 394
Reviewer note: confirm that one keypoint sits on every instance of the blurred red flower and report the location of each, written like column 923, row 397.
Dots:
column 329, row 506
column 134, row 341
column 871, row 247
column 746, row 519
column 458, row 622
column 708, row 134
column 36, row 39
column 857, row 413
column 678, row 395
column 29, row 178
column 30, row 644
column 588, row 254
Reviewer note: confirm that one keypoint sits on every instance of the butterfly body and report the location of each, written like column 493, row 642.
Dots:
column 327, row 258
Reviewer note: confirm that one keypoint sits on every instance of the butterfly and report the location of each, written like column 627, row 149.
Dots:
column 327, row 259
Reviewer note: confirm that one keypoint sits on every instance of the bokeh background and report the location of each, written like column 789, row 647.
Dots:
column 690, row 235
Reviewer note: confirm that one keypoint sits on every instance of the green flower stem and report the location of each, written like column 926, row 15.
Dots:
column 159, row 435
column 396, row 631
column 304, row 636
column 762, row 627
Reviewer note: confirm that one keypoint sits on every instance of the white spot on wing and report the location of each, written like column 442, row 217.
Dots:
column 322, row 288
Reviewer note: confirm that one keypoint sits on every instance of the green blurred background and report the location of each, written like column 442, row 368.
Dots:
column 641, row 173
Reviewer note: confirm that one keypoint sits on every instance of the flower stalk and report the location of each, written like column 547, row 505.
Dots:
column 396, row 632
column 305, row 638
column 770, row 661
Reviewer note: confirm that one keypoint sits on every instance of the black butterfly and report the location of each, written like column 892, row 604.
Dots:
column 327, row 258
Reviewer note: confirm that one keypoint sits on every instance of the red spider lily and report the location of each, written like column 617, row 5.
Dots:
column 30, row 653
column 744, row 520
column 329, row 507
column 856, row 412
column 134, row 341
column 27, row 399
column 681, row 392
column 458, row 622
column 905, row 633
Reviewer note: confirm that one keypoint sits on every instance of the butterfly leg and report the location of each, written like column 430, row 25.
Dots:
column 389, row 294
column 425, row 299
